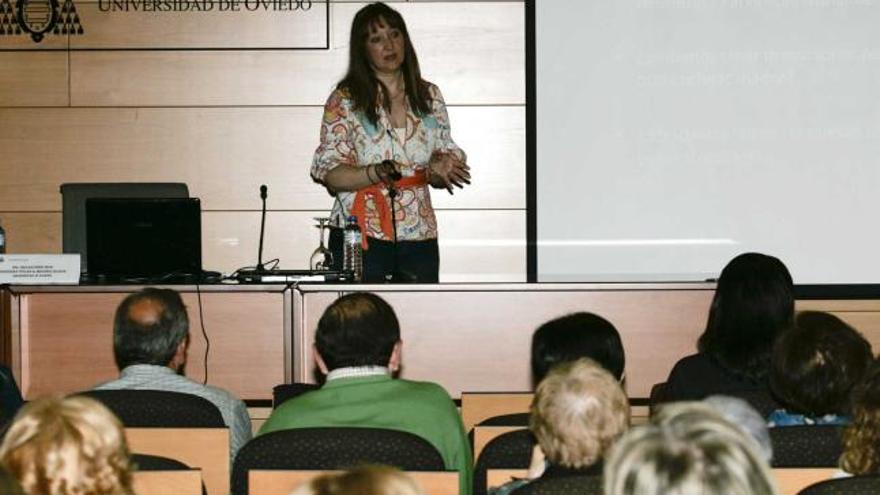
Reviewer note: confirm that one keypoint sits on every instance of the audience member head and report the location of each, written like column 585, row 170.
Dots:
column 574, row 336
column 817, row 363
column 753, row 303
column 67, row 446
column 861, row 439
column 687, row 448
column 363, row 480
column 151, row 327
column 578, row 411
column 740, row 413
column 358, row 329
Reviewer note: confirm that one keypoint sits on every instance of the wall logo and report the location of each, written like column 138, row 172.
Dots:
column 39, row 18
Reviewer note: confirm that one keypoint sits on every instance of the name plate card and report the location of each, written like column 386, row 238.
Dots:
column 39, row 269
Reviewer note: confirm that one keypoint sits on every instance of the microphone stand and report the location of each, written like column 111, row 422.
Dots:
column 263, row 194
column 392, row 277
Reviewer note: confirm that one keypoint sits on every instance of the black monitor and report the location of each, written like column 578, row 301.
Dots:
column 143, row 239
column 73, row 206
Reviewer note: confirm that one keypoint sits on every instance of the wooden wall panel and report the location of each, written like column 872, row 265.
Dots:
column 226, row 121
column 33, row 79
column 224, row 154
column 475, row 245
column 246, row 355
column 475, row 52
column 261, row 27
column 481, row 342
column 481, row 246
column 32, row 232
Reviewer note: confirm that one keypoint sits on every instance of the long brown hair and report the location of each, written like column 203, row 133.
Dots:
column 361, row 82
column 861, row 439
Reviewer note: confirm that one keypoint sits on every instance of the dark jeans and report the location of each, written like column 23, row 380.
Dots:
column 408, row 261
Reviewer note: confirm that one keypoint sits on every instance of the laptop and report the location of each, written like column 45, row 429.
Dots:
column 144, row 239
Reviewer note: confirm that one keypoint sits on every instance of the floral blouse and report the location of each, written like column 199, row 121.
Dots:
column 349, row 138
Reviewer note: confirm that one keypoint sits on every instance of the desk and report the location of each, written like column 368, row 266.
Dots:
column 476, row 337
column 62, row 336
column 467, row 337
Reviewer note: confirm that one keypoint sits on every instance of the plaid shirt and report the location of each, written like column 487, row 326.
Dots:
column 151, row 377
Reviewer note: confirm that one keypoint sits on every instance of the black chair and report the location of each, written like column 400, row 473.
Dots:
column 568, row 485
column 806, row 446
column 511, row 450
column 515, row 419
column 159, row 408
column 857, row 485
column 287, row 391
column 10, row 396
column 147, row 462
column 333, row 448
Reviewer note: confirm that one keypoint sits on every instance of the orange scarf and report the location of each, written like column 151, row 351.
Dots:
column 383, row 208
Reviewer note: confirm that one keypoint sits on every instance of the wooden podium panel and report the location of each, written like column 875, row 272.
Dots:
column 62, row 337
column 477, row 337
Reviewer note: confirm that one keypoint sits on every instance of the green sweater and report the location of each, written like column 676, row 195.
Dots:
column 421, row 408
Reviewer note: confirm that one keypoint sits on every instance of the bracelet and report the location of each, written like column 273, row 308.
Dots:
column 372, row 181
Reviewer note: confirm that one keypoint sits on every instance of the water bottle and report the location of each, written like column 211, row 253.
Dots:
column 2, row 240
column 353, row 254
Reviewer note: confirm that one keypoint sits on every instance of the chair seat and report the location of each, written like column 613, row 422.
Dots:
column 857, row 485
column 331, row 449
column 509, row 450
column 806, row 446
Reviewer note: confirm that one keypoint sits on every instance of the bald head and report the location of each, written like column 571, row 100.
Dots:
column 145, row 312
column 150, row 327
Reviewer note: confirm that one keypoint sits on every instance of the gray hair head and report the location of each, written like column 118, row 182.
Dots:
column 742, row 414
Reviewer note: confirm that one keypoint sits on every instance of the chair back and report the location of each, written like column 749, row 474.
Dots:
column 73, row 206
column 806, row 446
column 206, row 449
column 178, row 482
column 274, row 482
column 479, row 406
column 159, row 408
column 333, row 448
column 10, row 395
column 567, row 485
column 287, row 391
column 149, row 462
column 511, row 450
column 857, row 485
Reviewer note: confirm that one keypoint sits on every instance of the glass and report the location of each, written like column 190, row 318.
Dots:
column 322, row 258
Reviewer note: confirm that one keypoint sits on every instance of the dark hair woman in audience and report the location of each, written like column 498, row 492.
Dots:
column 575, row 336
column 815, row 367
column 753, row 303
column 861, row 439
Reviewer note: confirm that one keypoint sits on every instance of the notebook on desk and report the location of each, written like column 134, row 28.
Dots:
column 144, row 239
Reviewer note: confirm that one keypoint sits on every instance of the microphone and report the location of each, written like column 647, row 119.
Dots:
column 263, row 194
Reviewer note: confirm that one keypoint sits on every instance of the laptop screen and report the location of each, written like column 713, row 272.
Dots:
column 129, row 238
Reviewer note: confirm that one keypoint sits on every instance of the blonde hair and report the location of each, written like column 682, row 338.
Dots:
column 67, row 446
column 688, row 448
column 362, row 480
column 578, row 411
column 861, row 439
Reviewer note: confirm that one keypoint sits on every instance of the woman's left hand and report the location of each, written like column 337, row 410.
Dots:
column 446, row 171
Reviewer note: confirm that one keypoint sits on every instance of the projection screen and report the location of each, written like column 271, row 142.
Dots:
column 673, row 134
